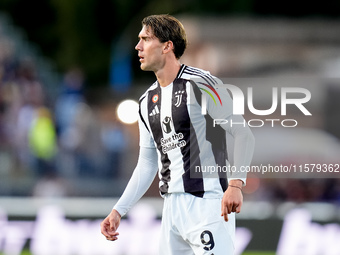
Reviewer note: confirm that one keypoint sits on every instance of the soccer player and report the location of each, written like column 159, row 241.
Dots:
column 184, row 145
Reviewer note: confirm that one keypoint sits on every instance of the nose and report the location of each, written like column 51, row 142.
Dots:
column 138, row 46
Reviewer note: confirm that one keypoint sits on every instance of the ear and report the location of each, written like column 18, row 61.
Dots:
column 168, row 46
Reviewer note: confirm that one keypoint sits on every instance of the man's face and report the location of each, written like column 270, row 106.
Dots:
column 150, row 50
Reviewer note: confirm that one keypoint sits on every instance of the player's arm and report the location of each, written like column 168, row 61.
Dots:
column 139, row 183
column 221, row 109
column 244, row 144
column 243, row 147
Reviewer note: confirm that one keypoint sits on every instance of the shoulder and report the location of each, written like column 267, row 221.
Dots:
column 192, row 73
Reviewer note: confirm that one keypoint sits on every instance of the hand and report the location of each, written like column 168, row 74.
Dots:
column 232, row 199
column 110, row 225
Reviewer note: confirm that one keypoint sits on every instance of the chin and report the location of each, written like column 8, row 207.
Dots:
column 144, row 67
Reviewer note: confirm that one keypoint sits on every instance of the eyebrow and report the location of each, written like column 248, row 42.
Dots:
column 143, row 36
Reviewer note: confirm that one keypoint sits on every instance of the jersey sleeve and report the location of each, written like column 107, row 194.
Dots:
column 145, row 138
column 145, row 171
column 218, row 105
column 140, row 181
column 237, row 127
column 244, row 143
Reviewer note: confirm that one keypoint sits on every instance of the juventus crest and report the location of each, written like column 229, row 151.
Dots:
column 178, row 96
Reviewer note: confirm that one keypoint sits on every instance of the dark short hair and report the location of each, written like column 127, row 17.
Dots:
column 167, row 28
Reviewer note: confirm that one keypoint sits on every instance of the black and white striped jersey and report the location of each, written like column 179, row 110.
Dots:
column 171, row 120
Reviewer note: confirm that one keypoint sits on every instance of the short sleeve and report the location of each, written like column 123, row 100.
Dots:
column 145, row 138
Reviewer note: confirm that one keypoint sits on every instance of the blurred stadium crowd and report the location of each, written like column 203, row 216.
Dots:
column 49, row 143
column 48, row 138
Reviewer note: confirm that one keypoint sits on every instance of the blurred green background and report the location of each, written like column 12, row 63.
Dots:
column 83, row 32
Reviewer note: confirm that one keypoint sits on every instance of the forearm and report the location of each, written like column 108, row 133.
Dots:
column 243, row 153
column 244, row 144
column 140, row 181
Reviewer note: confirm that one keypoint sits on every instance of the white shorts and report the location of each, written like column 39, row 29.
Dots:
column 193, row 225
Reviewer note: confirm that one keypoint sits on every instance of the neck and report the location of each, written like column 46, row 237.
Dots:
column 168, row 73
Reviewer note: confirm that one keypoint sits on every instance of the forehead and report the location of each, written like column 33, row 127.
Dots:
column 146, row 31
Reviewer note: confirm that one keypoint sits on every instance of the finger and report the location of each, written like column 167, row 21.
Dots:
column 108, row 233
column 225, row 217
column 224, row 213
column 113, row 238
column 113, row 234
column 104, row 229
column 226, row 208
column 234, row 207
column 229, row 207
column 113, row 225
column 238, row 209
column 105, row 233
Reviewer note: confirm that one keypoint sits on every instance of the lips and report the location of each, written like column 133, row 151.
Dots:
column 141, row 58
